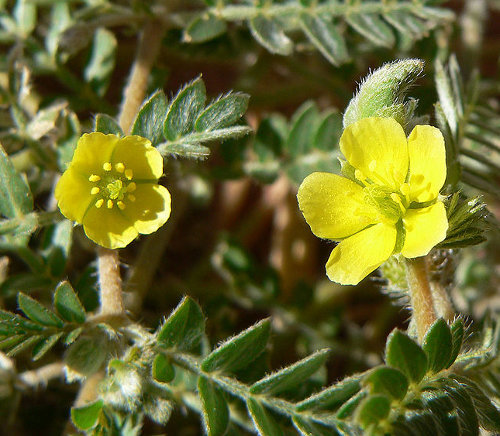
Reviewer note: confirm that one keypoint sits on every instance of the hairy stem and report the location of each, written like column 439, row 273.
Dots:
column 41, row 376
column 420, row 295
column 110, row 283
column 149, row 48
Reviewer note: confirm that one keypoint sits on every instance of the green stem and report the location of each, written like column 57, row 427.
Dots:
column 420, row 295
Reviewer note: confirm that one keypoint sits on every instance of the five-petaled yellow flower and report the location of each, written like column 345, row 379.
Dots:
column 111, row 187
column 391, row 207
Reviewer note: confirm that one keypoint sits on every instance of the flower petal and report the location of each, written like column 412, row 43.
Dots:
column 334, row 206
column 427, row 163
column 378, row 148
column 151, row 208
column 108, row 227
column 73, row 194
column 140, row 156
column 357, row 256
column 425, row 228
column 92, row 151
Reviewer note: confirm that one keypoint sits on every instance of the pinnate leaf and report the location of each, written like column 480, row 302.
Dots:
column 406, row 355
column 68, row 304
column 215, row 409
column 37, row 312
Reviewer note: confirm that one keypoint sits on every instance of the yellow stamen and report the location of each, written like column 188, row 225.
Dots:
column 359, row 175
column 397, row 199
column 94, row 178
column 95, row 190
column 120, row 204
column 129, row 174
column 131, row 187
column 131, row 197
column 99, row 203
column 372, row 165
column 120, row 167
column 107, row 166
column 109, row 204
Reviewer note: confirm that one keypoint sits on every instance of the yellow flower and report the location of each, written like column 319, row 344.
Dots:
column 111, row 187
column 392, row 206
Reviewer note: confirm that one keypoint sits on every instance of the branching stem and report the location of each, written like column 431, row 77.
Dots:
column 420, row 295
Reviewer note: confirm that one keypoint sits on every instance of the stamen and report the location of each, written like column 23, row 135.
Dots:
column 107, row 166
column 359, row 175
column 109, row 204
column 120, row 204
column 397, row 199
column 129, row 174
column 120, row 167
column 131, row 187
column 99, row 203
column 372, row 165
column 131, row 197
column 95, row 190
column 94, row 178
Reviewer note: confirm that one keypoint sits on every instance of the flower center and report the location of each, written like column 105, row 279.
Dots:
column 113, row 186
column 391, row 205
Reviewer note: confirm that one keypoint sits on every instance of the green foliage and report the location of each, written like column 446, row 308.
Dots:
column 42, row 328
column 306, row 144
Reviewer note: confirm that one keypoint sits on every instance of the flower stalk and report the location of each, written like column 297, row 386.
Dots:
column 421, row 300
column 110, row 283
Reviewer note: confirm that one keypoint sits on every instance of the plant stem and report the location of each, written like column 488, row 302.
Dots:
column 110, row 283
column 41, row 376
column 420, row 295
column 149, row 48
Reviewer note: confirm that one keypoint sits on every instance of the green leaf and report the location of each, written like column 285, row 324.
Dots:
column 15, row 195
column 45, row 345
column 466, row 412
column 446, row 98
column 25, row 15
column 18, row 323
column 291, row 376
column 325, row 37
column 151, row 117
column 350, row 406
column 328, row 133
column 37, row 312
column 405, row 354
column 438, row 346
column 107, row 125
column 332, row 397
column 86, row 355
column 162, row 369
column 215, row 409
column 372, row 410
column 102, row 61
column 86, row 417
column 488, row 414
column 457, row 334
column 222, row 112
column 270, row 138
column 204, row 28
column 310, row 428
column 270, row 35
column 72, row 336
column 184, row 109
column 304, row 122
column 373, row 28
column 24, row 344
column 264, row 422
column 184, row 328
column 387, row 381
column 68, row 304
column 239, row 351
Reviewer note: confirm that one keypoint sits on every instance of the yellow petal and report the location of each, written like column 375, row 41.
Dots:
column 92, row 151
column 151, row 208
column 138, row 155
column 108, row 227
column 378, row 149
column 73, row 194
column 333, row 206
column 357, row 256
column 425, row 228
column 427, row 163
